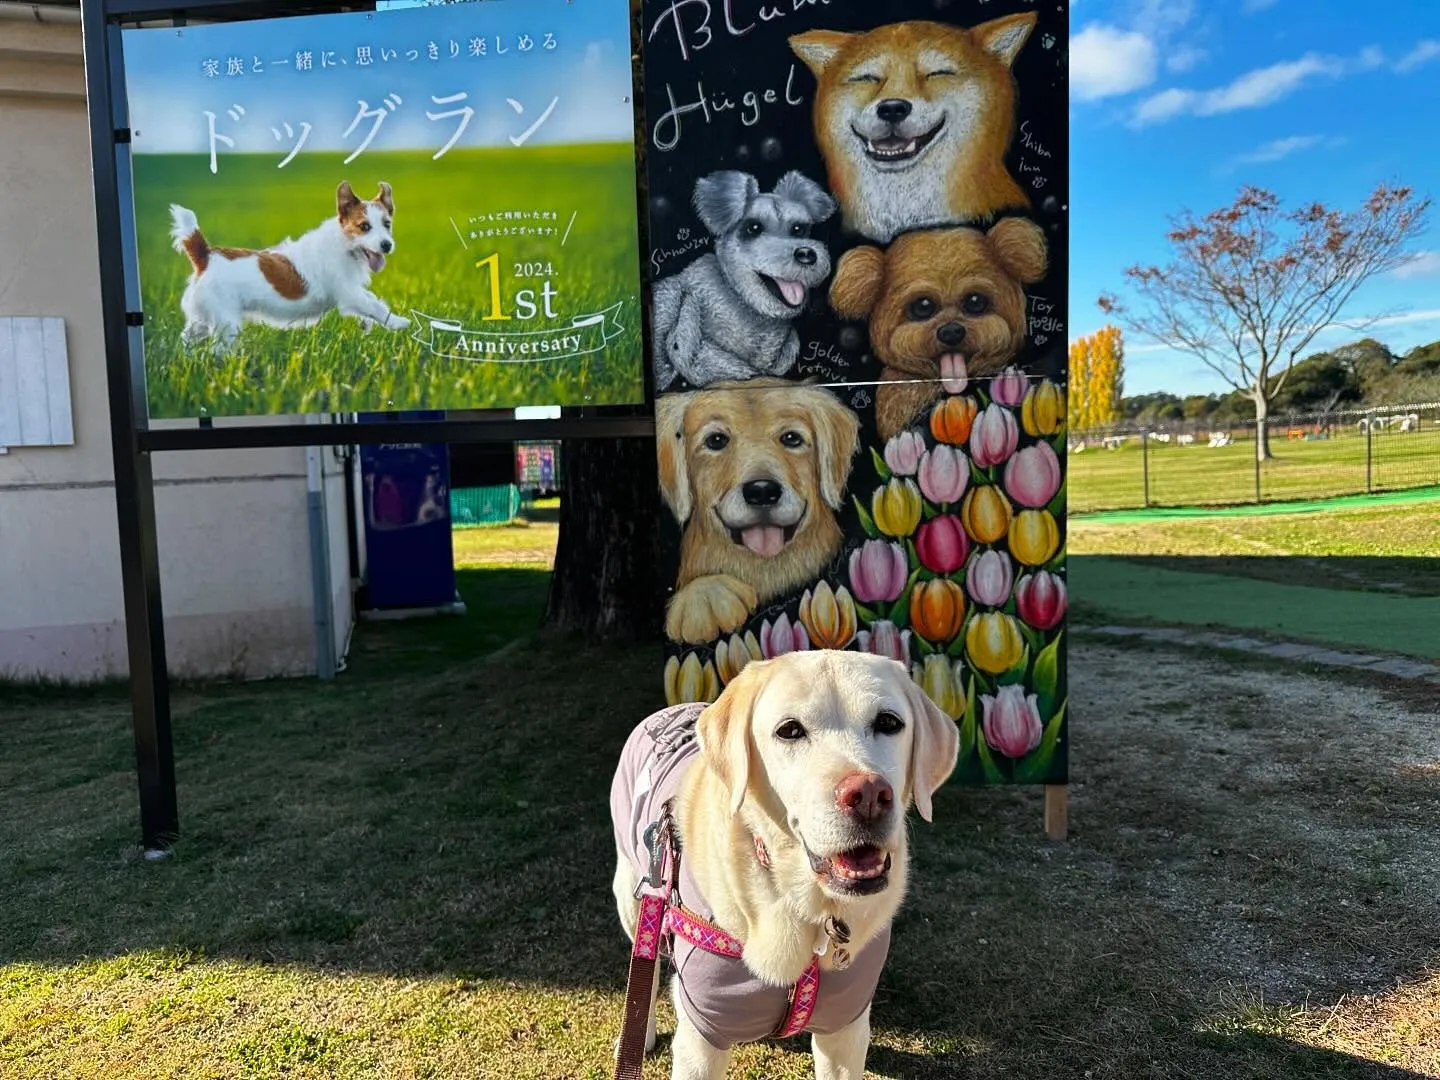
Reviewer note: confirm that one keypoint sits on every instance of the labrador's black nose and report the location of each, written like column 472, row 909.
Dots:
column 893, row 110
column 761, row 492
column 805, row 256
column 952, row 334
column 386, row 246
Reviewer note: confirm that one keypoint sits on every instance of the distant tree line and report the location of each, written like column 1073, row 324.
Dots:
column 1357, row 376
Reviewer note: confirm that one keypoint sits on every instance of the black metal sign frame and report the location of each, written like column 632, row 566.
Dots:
column 133, row 441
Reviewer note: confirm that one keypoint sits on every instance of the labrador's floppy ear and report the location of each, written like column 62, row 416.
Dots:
column 933, row 749
column 345, row 199
column 837, row 436
column 670, row 454
column 386, row 198
column 724, row 730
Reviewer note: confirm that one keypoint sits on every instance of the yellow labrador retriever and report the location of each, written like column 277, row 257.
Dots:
column 787, row 798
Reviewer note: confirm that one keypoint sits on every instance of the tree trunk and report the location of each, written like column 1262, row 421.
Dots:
column 1262, row 428
column 605, row 584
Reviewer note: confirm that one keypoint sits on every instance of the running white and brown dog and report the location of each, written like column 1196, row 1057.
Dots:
column 296, row 282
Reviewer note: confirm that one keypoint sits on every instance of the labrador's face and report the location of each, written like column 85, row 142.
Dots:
column 838, row 744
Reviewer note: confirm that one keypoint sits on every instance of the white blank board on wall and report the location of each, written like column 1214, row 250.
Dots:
column 34, row 382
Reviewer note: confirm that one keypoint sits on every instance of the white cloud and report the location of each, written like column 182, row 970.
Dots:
column 1279, row 149
column 1184, row 58
column 1252, row 90
column 1106, row 61
column 1422, row 53
column 1420, row 264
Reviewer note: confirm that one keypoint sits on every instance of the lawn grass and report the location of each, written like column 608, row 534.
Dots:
column 1199, row 475
column 404, row 873
column 336, row 366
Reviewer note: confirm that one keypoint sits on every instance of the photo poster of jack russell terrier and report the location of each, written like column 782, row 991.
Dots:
column 858, row 221
column 421, row 208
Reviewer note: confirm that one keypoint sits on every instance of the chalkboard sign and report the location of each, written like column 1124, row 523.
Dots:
column 858, row 247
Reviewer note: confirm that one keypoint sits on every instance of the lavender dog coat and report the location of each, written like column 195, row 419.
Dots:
column 726, row 1003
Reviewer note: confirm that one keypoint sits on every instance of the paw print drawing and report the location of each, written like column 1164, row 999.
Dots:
column 1048, row 41
column 682, row 235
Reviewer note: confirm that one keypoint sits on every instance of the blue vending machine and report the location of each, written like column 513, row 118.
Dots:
column 405, row 505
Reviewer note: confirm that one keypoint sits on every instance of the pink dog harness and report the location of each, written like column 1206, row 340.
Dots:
column 725, row 1001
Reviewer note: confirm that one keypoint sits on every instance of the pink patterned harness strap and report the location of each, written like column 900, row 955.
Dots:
column 684, row 923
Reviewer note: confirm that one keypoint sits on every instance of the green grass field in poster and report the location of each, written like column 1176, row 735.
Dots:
column 335, row 366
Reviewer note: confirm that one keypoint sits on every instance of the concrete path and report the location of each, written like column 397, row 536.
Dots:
column 1399, row 667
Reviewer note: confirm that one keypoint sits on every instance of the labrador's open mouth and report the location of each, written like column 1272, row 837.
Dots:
column 373, row 259
column 864, row 869
column 896, row 148
column 790, row 293
column 764, row 540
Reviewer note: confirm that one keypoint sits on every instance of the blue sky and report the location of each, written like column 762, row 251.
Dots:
column 1176, row 103
column 174, row 76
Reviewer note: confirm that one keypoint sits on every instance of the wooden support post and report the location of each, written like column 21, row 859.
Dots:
column 1057, row 811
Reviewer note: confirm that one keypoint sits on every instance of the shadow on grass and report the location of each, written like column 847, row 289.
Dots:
column 438, row 812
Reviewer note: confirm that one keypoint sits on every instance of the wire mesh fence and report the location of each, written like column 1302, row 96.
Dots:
column 1196, row 463
column 486, row 505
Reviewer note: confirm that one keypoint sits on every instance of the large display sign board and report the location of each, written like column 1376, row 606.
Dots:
column 422, row 208
column 858, row 223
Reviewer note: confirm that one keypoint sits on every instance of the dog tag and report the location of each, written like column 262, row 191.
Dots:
column 841, row 960
column 837, row 930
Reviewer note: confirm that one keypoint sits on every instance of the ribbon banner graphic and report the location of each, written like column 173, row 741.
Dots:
column 584, row 336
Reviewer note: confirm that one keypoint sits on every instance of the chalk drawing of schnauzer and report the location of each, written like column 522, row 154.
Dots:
column 730, row 314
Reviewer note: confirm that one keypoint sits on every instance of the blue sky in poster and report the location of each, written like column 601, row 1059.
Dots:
column 174, row 77
column 1176, row 103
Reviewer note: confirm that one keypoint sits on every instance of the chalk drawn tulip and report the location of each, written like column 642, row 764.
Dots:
column 878, row 570
column 937, row 610
column 829, row 616
column 733, row 653
column 1011, row 721
column 902, row 452
column 690, row 680
column 895, row 508
column 993, row 437
column 953, row 375
column 942, row 544
column 985, row 513
column 994, row 643
column 940, row 679
column 1032, row 477
column 989, row 577
column 884, row 638
column 943, row 474
column 782, row 636
column 1041, row 599
column 1034, row 537
column 1008, row 388
column 951, row 420
column 1043, row 411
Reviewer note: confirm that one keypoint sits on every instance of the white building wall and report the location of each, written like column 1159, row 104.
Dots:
column 233, row 529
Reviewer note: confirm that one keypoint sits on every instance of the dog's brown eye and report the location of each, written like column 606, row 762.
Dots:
column 887, row 723
column 924, row 308
column 717, row 440
column 790, row 731
column 387, row 223
column 365, row 226
column 939, row 72
column 863, row 78
column 799, row 230
column 792, row 440
column 753, row 228
column 976, row 304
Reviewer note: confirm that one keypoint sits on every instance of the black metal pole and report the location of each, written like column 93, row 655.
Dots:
column 1369, row 457
column 134, row 482
column 1145, row 464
